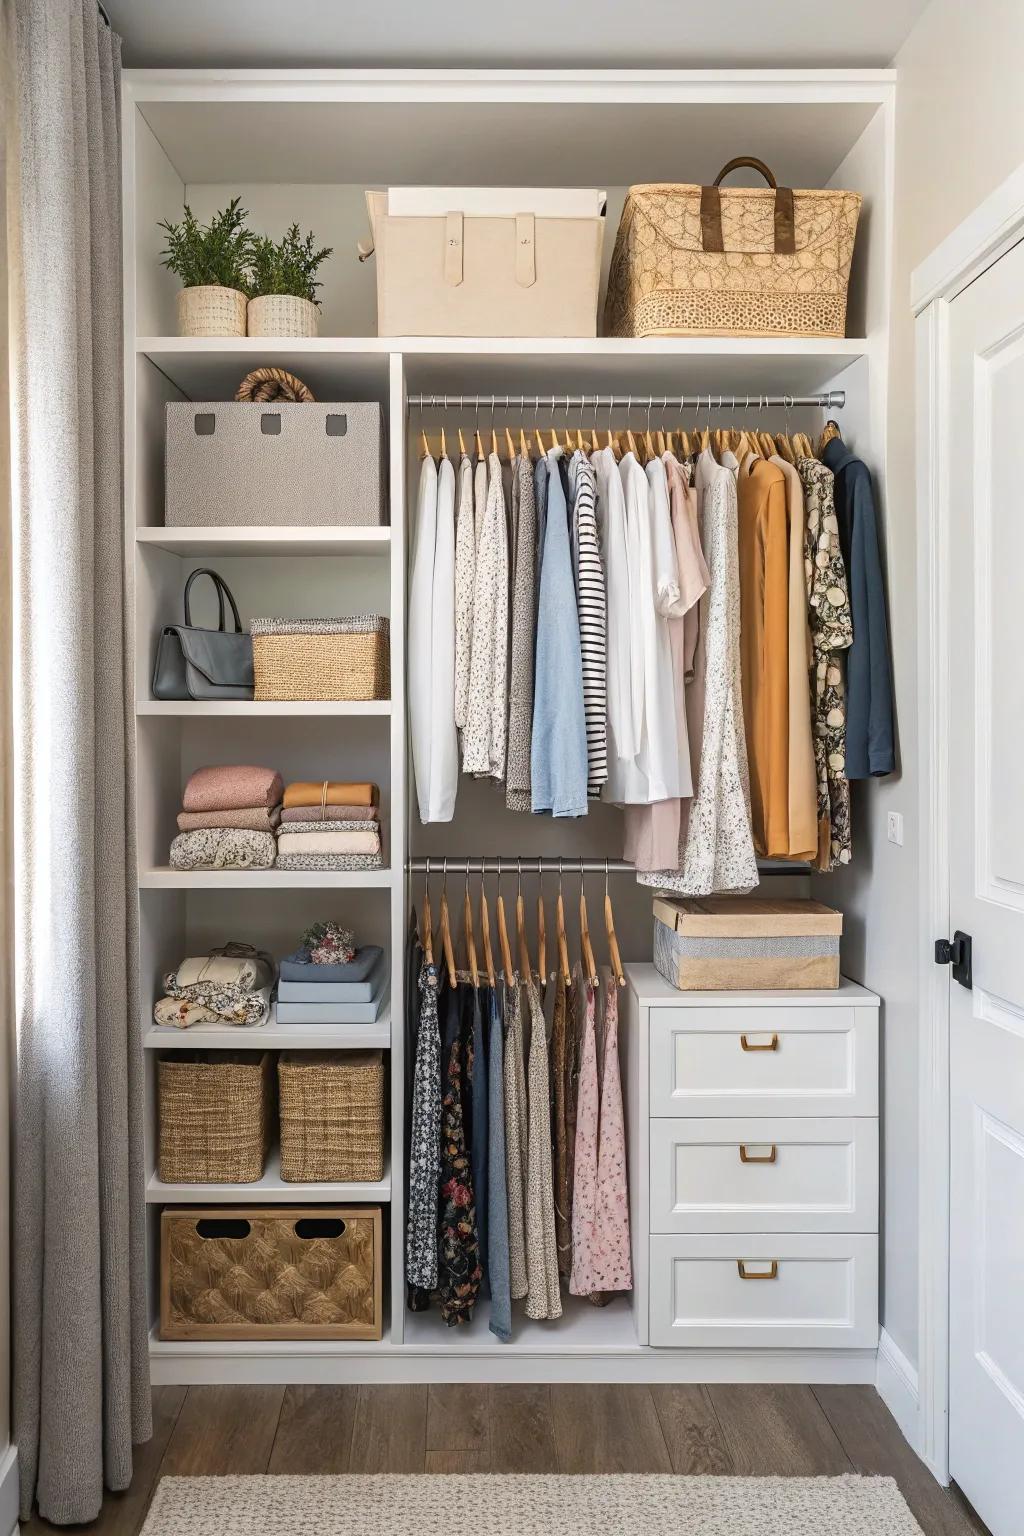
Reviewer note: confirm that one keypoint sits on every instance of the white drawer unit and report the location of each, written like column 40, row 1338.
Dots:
column 764, row 1175
column 772, row 1059
column 805, row 1290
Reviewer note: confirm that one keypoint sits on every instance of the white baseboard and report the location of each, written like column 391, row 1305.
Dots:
column 896, row 1382
column 9, row 1491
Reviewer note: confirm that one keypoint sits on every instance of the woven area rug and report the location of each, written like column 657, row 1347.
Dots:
column 485, row 1505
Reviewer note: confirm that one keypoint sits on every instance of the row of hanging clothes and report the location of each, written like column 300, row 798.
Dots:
column 688, row 624
column 515, row 1142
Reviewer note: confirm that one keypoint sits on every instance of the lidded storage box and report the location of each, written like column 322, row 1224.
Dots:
column 306, row 1272
column 273, row 464
column 215, row 1111
column 332, row 1116
column 486, row 261
column 736, row 261
column 307, row 659
column 747, row 943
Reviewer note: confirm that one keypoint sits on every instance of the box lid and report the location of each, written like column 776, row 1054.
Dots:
column 746, row 916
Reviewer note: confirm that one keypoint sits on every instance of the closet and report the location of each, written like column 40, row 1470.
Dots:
column 305, row 146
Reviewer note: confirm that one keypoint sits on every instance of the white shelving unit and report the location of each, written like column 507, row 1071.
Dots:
column 299, row 145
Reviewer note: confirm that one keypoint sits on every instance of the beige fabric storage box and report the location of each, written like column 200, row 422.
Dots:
column 277, row 463
column 280, row 1272
column 332, row 1116
column 506, row 270
column 215, row 1113
column 747, row 943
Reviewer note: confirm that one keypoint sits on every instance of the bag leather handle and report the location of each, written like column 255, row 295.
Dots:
column 223, row 591
column 711, row 237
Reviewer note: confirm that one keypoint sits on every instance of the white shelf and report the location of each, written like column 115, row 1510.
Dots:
column 160, row 877
column 273, row 1036
column 191, row 708
column 271, row 1188
column 326, row 540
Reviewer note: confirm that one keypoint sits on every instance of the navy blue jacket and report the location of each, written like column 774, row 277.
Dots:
column 869, row 721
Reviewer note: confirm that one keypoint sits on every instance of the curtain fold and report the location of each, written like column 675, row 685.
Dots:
column 81, row 1371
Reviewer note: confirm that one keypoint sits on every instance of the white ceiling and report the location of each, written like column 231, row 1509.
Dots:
column 676, row 34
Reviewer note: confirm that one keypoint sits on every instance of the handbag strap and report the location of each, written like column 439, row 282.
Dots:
column 223, row 591
column 711, row 237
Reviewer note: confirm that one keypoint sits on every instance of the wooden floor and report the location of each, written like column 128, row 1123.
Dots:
column 749, row 1431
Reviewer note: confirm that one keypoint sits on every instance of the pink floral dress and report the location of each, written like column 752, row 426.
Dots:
column 601, row 1261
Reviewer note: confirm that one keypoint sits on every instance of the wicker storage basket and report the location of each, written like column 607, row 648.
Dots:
column 764, row 261
column 321, row 658
column 332, row 1116
column 752, row 943
column 211, row 311
column 215, row 1115
column 299, row 1272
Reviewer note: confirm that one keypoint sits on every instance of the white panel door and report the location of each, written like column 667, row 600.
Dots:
column 986, row 831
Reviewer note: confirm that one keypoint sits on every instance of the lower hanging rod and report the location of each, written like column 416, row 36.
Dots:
column 831, row 400
column 494, row 864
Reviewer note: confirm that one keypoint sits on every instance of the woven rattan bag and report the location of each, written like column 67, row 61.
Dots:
column 739, row 261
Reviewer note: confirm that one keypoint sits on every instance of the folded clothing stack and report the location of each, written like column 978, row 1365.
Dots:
column 228, row 818
column 329, row 826
column 230, row 985
column 329, row 981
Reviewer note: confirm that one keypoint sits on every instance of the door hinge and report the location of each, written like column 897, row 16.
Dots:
column 957, row 953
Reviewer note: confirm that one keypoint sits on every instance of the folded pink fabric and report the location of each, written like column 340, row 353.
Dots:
column 333, row 813
column 254, row 819
column 233, row 787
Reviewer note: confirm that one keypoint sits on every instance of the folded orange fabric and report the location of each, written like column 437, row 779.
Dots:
column 337, row 794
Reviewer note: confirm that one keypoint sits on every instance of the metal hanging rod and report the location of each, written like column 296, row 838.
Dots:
column 439, row 865
column 832, row 400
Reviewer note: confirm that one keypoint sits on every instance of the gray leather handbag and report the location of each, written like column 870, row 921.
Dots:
column 194, row 663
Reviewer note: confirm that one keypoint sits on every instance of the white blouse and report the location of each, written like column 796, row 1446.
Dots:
column 485, row 735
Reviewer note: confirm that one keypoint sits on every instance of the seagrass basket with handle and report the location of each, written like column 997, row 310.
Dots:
column 695, row 260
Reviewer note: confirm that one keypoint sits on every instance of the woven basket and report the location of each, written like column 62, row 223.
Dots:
column 292, row 1272
column 211, row 311
column 332, row 1116
column 215, row 1114
column 699, row 261
column 282, row 314
column 318, row 659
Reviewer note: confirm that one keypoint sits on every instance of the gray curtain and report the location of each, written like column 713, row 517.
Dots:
column 81, row 1372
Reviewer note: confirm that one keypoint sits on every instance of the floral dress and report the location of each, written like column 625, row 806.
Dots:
column 542, row 1297
column 459, row 1271
column 831, row 622
column 424, row 1149
column 514, row 1072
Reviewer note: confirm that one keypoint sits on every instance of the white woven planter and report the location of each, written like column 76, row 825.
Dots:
column 211, row 311
column 282, row 314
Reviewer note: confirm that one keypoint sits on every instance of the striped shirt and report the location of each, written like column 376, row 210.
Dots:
column 588, row 573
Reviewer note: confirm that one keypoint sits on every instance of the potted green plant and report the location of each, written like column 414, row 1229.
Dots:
column 213, row 262
column 284, row 285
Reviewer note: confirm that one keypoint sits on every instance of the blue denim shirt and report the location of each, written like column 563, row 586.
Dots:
column 558, row 755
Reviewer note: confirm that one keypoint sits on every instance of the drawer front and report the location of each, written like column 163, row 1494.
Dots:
column 816, row 1291
column 764, row 1175
column 764, row 1061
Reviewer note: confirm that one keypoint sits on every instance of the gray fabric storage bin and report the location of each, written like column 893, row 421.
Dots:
column 275, row 464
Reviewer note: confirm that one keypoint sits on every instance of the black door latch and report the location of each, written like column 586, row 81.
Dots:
column 956, row 952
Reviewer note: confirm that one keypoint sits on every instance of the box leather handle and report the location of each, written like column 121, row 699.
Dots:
column 711, row 237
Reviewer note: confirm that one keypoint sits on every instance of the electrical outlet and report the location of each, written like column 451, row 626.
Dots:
column 894, row 828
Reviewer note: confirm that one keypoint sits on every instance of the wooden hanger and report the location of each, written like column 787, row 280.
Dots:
column 563, row 947
column 609, row 928
column 589, row 963
column 554, row 439
column 444, row 445
column 479, row 445
column 784, row 447
column 446, row 929
column 462, row 444
column 425, row 448
column 467, row 927
column 510, row 445
column 542, row 929
column 494, row 441
column 524, row 447
column 830, row 431
column 506, row 953
column 427, row 934
column 485, row 931
column 802, row 446
column 522, row 947
column 541, row 450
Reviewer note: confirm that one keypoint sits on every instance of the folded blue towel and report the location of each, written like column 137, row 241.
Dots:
column 299, row 967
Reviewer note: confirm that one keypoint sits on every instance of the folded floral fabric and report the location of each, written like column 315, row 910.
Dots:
column 170, row 1012
column 230, row 1005
column 302, row 828
column 329, row 861
column 316, row 841
column 301, row 967
column 248, row 973
column 232, row 787
column 337, row 794
column 223, row 848
column 330, row 812
column 256, row 818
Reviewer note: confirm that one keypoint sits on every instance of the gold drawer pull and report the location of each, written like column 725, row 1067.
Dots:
column 772, row 1273
column 772, row 1045
column 767, row 1157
